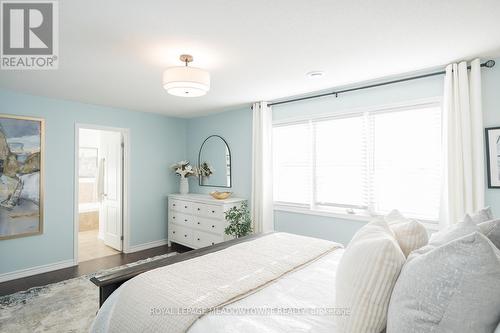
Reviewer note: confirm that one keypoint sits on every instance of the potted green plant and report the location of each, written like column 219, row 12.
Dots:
column 240, row 223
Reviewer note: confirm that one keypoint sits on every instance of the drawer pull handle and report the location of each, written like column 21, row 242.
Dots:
column 213, row 211
column 173, row 232
column 185, row 206
column 213, row 226
column 173, row 217
column 173, row 205
column 198, row 239
column 185, row 220
column 213, row 243
column 199, row 209
column 185, row 235
column 198, row 222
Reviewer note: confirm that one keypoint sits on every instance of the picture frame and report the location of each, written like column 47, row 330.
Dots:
column 22, row 163
column 492, row 137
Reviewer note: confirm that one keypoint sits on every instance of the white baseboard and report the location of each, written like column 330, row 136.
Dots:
column 145, row 246
column 36, row 270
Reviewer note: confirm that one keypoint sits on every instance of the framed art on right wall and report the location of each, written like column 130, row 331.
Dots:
column 492, row 135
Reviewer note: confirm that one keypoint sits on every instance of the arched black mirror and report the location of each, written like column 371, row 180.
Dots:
column 214, row 162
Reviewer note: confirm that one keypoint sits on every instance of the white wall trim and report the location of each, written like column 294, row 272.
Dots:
column 317, row 212
column 36, row 270
column 126, row 184
column 145, row 246
column 432, row 226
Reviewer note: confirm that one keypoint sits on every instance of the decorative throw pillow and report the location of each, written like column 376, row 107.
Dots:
column 449, row 288
column 394, row 216
column 482, row 215
column 366, row 275
column 410, row 234
column 454, row 231
column 491, row 229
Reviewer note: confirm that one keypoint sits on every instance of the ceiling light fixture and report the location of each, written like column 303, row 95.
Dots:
column 315, row 74
column 186, row 81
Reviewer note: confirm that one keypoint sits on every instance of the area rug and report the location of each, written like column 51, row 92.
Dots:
column 66, row 306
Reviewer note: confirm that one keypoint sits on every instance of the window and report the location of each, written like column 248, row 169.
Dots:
column 292, row 157
column 370, row 162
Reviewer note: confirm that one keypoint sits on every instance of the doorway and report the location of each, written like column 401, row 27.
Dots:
column 99, row 192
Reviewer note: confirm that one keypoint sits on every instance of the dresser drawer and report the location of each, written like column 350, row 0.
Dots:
column 211, row 211
column 181, row 206
column 180, row 234
column 181, row 219
column 202, row 239
column 210, row 225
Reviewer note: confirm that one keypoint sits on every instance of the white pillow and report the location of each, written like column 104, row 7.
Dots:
column 482, row 215
column 366, row 276
column 454, row 231
column 410, row 234
column 449, row 288
column 394, row 216
column 491, row 229
column 488, row 225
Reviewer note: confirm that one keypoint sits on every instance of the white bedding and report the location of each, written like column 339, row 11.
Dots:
column 310, row 288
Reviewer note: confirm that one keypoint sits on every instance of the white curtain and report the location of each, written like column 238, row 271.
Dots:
column 464, row 187
column 262, row 170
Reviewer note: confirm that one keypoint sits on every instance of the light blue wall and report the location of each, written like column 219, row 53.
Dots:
column 391, row 94
column 156, row 142
column 337, row 230
column 342, row 230
column 238, row 125
column 236, row 128
column 159, row 141
column 491, row 109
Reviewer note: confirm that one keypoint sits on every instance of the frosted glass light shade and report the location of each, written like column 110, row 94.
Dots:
column 186, row 81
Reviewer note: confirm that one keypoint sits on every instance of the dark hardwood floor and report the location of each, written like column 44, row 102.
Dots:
column 86, row 267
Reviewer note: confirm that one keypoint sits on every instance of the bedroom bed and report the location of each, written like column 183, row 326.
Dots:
column 391, row 277
column 273, row 283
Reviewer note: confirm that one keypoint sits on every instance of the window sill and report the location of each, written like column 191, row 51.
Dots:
column 322, row 212
column 431, row 226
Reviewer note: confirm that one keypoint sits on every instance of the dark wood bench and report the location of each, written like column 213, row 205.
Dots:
column 109, row 282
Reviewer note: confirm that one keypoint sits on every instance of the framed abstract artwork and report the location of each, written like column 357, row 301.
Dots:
column 492, row 135
column 21, row 176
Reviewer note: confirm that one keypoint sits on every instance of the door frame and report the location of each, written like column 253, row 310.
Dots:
column 125, row 186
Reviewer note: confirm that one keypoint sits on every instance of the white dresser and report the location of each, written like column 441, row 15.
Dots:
column 198, row 220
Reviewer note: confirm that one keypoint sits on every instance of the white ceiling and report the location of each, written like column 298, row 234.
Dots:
column 114, row 52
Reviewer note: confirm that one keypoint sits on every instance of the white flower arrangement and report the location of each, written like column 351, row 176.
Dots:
column 184, row 169
column 205, row 170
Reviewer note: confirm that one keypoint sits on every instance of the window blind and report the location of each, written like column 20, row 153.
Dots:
column 372, row 162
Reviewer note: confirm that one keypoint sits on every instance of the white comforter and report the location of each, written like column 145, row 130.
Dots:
column 312, row 287
column 308, row 289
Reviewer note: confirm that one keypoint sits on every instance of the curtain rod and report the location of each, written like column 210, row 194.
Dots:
column 487, row 64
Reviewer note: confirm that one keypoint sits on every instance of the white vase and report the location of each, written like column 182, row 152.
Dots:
column 184, row 186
